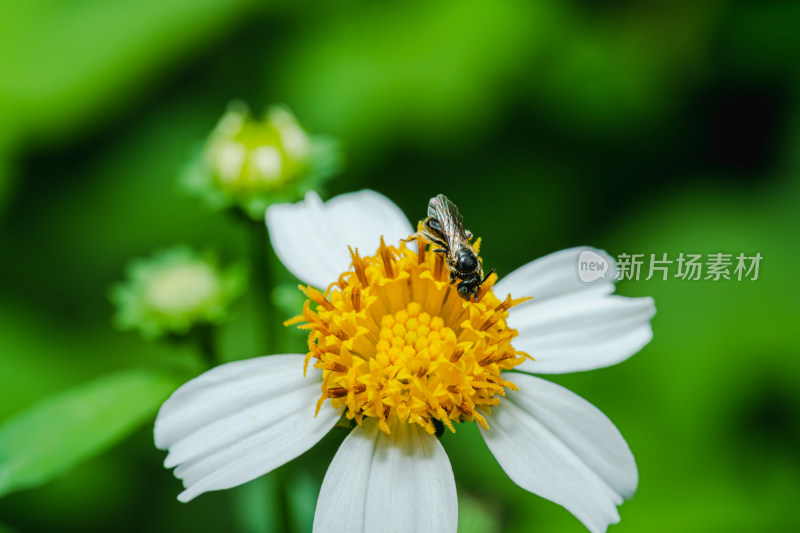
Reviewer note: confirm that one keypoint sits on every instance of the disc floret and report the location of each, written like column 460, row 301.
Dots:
column 396, row 342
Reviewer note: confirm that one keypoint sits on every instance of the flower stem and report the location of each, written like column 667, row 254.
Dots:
column 283, row 502
column 262, row 286
column 205, row 341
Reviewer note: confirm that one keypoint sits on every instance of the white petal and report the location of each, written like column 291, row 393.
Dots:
column 555, row 275
column 571, row 325
column 554, row 443
column 240, row 420
column 385, row 483
column 311, row 237
column 581, row 331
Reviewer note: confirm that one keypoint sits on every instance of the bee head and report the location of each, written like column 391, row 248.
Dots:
column 466, row 262
column 464, row 290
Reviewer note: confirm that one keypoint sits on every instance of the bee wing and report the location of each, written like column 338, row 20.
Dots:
column 449, row 219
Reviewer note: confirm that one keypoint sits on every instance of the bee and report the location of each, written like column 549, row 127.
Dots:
column 444, row 227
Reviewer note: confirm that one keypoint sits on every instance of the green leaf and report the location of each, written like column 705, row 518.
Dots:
column 302, row 493
column 6, row 529
column 59, row 432
column 476, row 515
column 72, row 61
column 256, row 505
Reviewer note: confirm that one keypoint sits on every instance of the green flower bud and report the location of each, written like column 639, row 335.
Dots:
column 253, row 163
column 174, row 290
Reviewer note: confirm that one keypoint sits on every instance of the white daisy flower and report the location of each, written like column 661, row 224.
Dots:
column 392, row 346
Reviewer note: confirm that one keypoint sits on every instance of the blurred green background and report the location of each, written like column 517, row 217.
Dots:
column 649, row 127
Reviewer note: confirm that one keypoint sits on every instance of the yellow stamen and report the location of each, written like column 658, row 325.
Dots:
column 421, row 247
column 395, row 341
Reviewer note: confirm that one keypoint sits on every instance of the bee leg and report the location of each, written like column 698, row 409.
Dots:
column 484, row 279
column 439, row 251
column 452, row 277
column 412, row 237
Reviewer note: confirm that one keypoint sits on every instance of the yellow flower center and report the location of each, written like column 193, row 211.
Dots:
column 395, row 341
